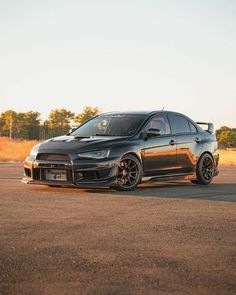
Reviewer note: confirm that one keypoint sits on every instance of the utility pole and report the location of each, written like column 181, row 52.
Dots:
column 11, row 126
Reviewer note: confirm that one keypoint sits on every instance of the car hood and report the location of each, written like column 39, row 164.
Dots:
column 69, row 143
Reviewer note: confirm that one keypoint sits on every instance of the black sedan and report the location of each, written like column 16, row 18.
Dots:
column 122, row 150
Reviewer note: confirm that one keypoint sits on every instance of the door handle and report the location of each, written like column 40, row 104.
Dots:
column 197, row 140
column 172, row 142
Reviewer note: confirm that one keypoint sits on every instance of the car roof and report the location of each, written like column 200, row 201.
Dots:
column 128, row 113
column 147, row 113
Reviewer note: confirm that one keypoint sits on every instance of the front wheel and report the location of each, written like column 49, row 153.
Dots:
column 128, row 173
column 205, row 170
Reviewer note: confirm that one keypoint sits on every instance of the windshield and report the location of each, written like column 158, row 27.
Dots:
column 111, row 125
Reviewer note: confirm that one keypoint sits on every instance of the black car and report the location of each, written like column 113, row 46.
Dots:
column 121, row 150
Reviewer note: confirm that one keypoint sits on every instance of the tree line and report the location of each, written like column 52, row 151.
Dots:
column 28, row 125
column 226, row 137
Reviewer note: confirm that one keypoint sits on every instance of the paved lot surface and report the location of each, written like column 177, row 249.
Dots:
column 172, row 238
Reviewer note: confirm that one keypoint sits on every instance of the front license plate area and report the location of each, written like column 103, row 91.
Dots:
column 56, row 175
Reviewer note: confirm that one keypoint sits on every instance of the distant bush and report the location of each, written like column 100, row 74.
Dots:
column 226, row 137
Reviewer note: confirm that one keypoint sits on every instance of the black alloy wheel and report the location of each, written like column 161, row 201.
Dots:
column 128, row 173
column 205, row 170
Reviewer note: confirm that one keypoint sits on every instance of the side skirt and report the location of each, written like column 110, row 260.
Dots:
column 182, row 176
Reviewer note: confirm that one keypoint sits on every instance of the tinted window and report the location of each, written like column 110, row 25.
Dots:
column 161, row 123
column 111, row 125
column 193, row 129
column 179, row 124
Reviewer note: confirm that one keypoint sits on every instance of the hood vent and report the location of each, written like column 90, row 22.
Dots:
column 53, row 157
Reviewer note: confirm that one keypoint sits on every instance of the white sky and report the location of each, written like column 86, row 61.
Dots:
column 120, row 55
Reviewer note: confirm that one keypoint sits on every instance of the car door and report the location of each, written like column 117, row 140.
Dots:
column 188, row 143
column 159, row 153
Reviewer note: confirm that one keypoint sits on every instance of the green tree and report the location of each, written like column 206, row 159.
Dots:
column 219, row 131
column 59, row 121
column 87, row 114
column 22, row 125
column 8, row 122
column 29, row 125
column 44, row 130
column 1, row 125
column 233, row 138
column 225, row 138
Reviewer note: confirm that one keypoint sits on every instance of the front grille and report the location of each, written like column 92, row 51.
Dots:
column 53, row 165
column 92, row 175
column 39, row 174
column 53, row 157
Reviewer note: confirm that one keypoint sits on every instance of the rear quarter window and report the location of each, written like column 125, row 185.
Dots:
column 179, row 124
column 193, row 129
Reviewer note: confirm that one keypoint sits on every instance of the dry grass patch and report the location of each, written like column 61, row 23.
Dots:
column 227, row 158
column 15, row 150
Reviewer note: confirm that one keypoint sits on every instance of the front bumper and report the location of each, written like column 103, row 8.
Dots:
column 79, row 173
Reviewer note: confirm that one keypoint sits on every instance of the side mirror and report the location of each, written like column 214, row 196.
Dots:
column 72, row 130
column 151, row 132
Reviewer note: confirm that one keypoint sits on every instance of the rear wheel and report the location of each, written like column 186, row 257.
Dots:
column 205, row 170
column 128, row 173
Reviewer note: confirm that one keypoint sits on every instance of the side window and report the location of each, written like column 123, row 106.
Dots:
column 193, row 129
column 161, row 123
column 179, row 124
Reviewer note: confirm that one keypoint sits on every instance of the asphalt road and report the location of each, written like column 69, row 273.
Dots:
column 167, row 238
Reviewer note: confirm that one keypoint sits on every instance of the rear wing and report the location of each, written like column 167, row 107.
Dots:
column 209, row 127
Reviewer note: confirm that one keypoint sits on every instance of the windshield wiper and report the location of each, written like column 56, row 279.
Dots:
column 100, row 134
column 77, row 136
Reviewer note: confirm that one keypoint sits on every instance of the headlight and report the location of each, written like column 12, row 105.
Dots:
column 34, row 150
column 95, row 154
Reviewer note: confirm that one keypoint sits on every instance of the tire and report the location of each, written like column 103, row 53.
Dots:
column 128, row 174
column 205, row 170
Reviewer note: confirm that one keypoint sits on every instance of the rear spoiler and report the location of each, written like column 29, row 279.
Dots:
column 210, row 126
